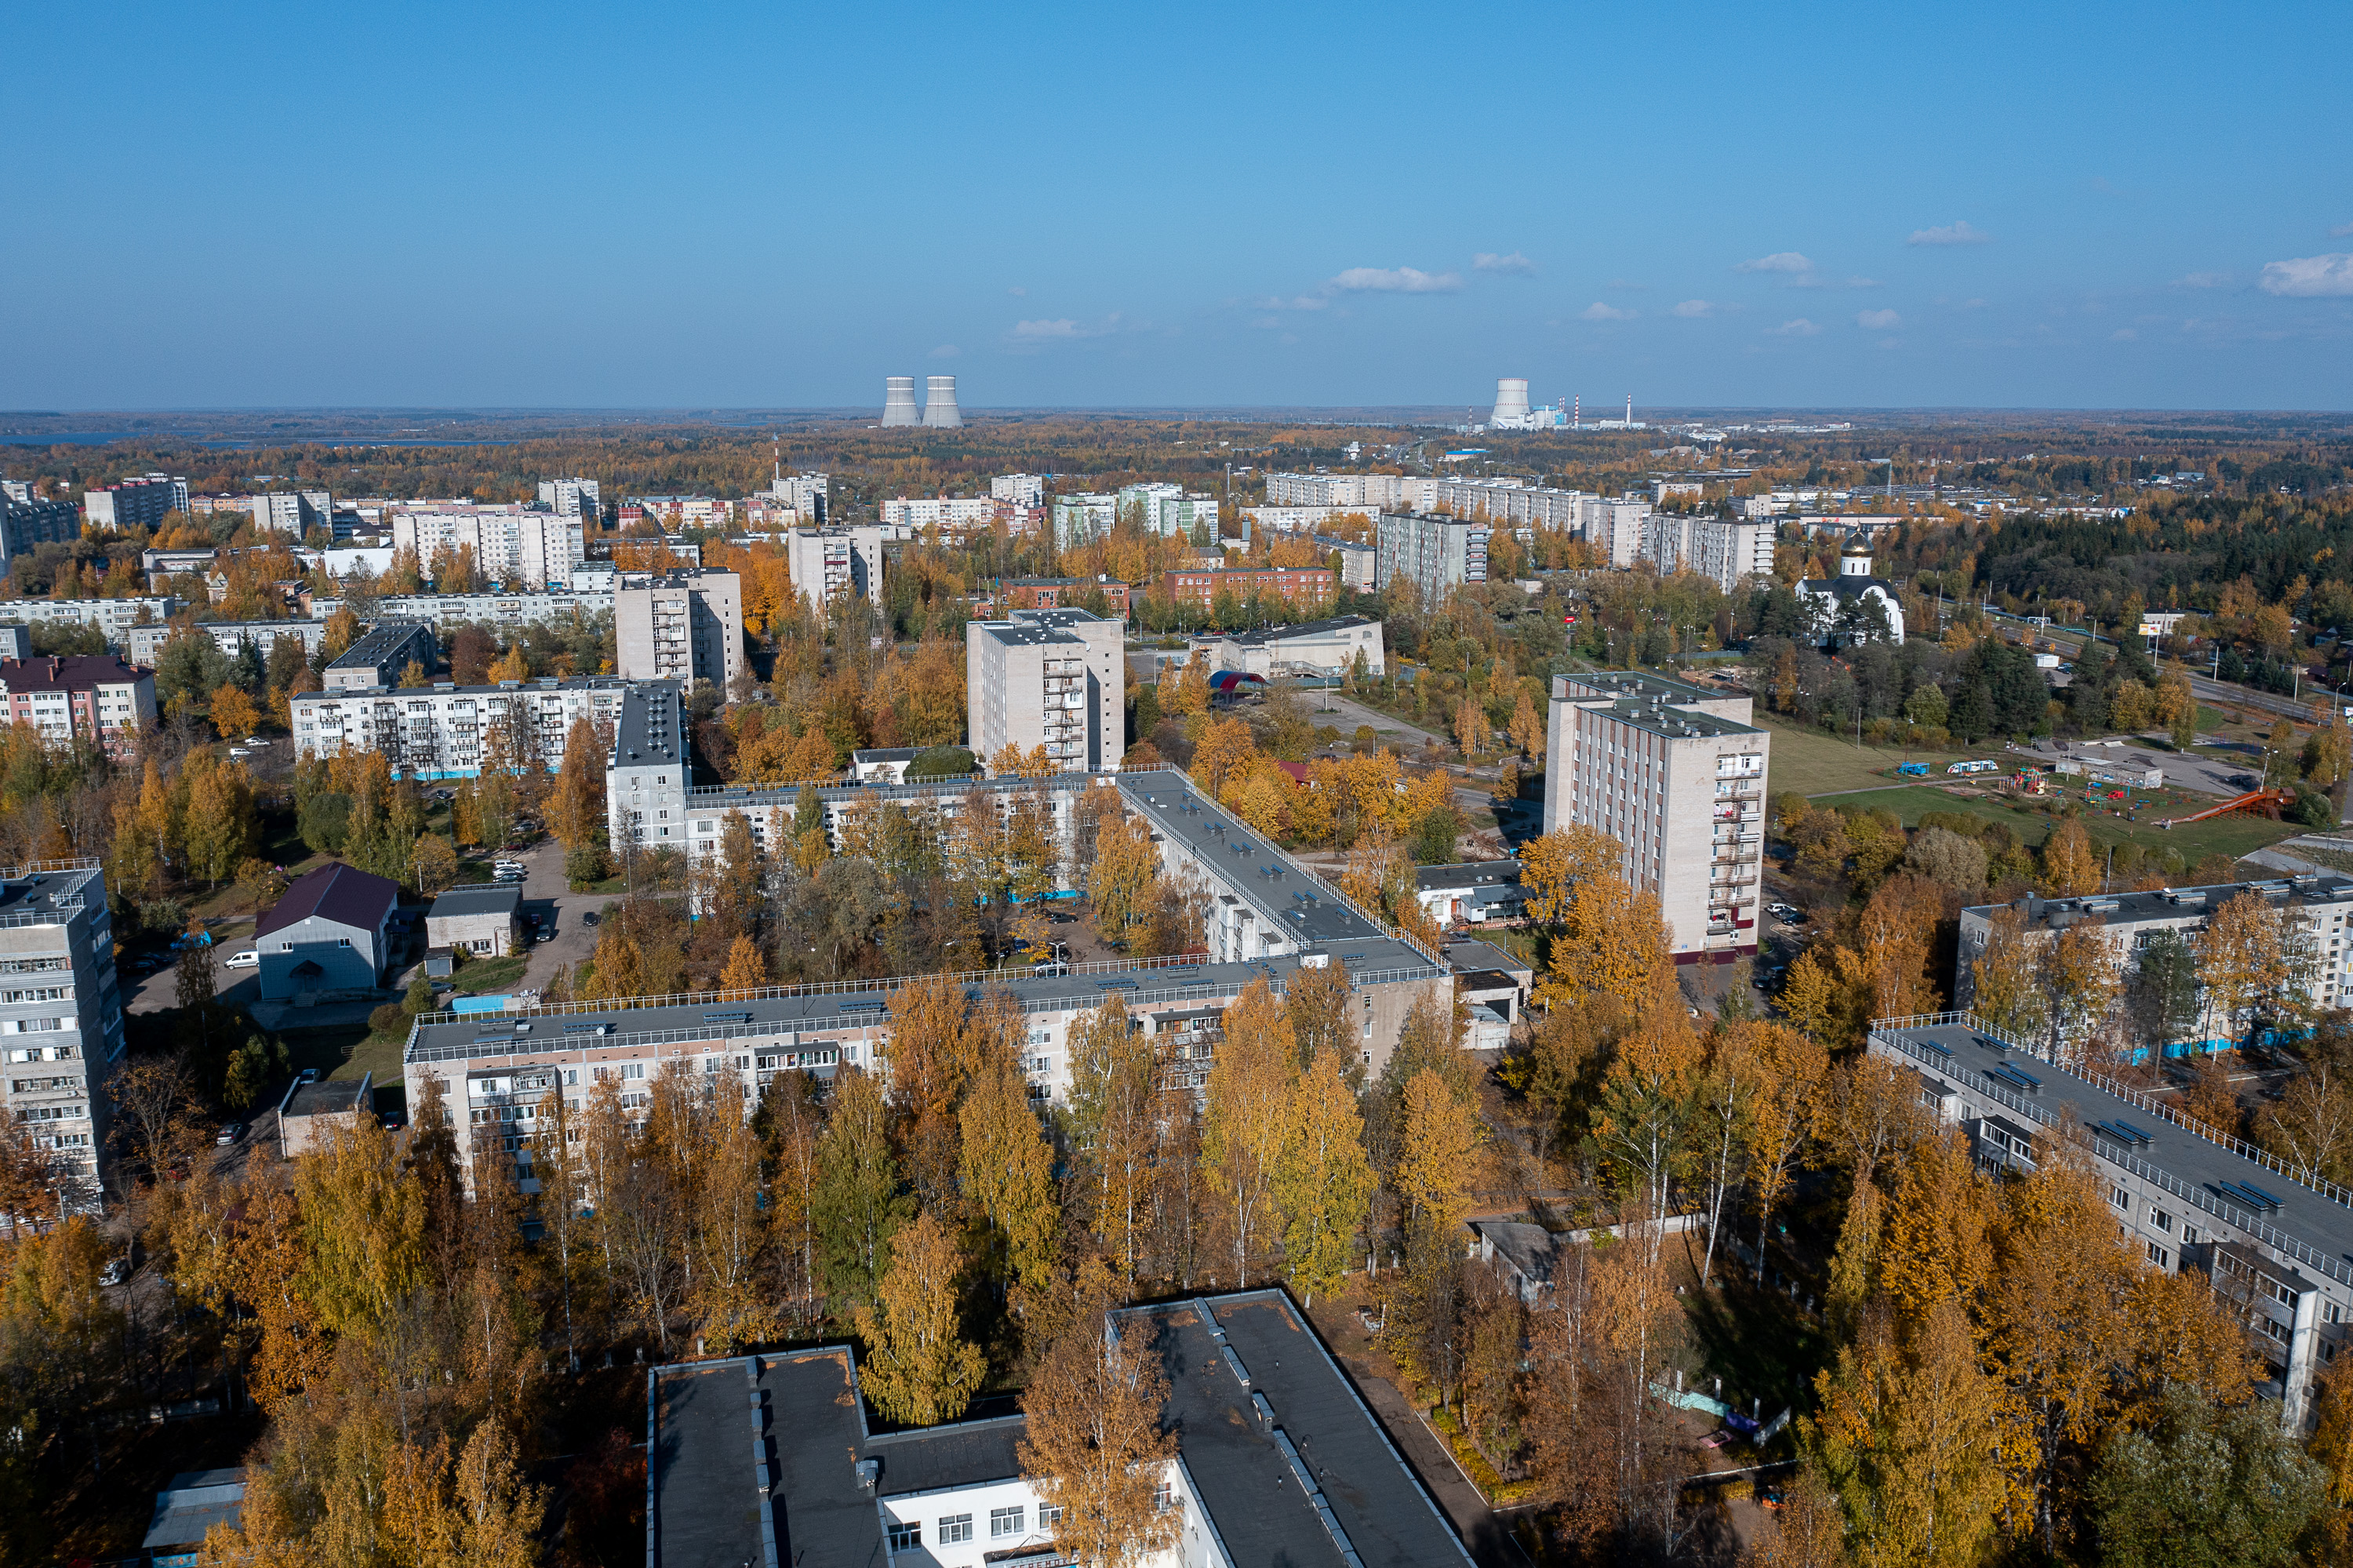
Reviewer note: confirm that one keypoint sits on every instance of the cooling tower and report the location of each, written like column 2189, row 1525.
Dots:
column 940, row 404
column 899, row 400
column 1511, row 402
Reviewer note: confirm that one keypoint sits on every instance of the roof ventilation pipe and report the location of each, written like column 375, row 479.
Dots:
column 899, row 401
column 940, row 404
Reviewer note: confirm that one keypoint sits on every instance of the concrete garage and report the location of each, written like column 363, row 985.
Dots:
column 329, row 934
column 486, row 921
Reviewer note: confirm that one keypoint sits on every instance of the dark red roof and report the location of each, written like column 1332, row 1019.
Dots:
column 66, row 672
column 335, row 892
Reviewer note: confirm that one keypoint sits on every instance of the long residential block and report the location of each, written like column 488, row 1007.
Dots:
column 60, row 1017
column 441, row 731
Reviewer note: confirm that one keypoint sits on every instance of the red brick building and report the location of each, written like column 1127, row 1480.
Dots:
column 1297, row 585
column 1064, row 593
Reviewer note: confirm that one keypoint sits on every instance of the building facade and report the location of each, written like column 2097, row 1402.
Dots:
column 572, row 497
column 684, row 625
column 1018, row 489
column 443, row 611
column 95, row 698
column 1296, row 585
column 1436, row 554
column 382, row 656
column 144, row 644
column 30, row 521
column 114, row 618
column 1676, row 774
column 441, row 731
column 827, row 563
column 1727, row 551
column 293, row 512
column 1853, row 607
column 135, row 502
column 1083, row 518
column 955, row 513
column 331, row 931
column 486, row 921
column 60, row 1018
column 1050, row 678
column 1057, row 593
column 513, row 544
column 1312, row 648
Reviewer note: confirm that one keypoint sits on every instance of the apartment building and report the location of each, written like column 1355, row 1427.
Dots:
column 801, row 493
column 1083, row 518
column 30, row 520
column 1262, row 1416
column 498, row 610
column 1268, row 916
column 513, row 544
column 2317, row 911
column 144, row 644
column 440, row 731
column 60, row 1018
column 91, row 697
column 825, row 563
column 1018, row 489
column 1045, row 677
column 1727, row 551
column 1359, row 564
column 1171, row 510
column 1327, row 647
column 293, row 512
column 2274, row 1247
column 1676, row 774
column 955, row 513
column 674, row 512
column 382, row 656
column 685, row 625
column 114, row 618
column 135, row 502
column 1053, row 593
column 1296, row 585
column 574, row 497
column 1436, row 554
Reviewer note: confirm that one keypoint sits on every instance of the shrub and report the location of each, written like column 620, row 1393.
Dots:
column 390, row 1019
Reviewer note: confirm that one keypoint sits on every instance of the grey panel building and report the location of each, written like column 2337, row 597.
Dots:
column 686, row 625
column 1436, row 554
column 330, row 932
column 60, row 1016
column 30, row 521
column 1050, row 678
column 379, row 658
column 486, row 921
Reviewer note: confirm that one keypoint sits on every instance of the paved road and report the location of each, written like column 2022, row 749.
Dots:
column 1333, row 708
column 546, row 895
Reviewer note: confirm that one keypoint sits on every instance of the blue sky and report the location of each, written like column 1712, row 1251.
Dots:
column 1994, row 205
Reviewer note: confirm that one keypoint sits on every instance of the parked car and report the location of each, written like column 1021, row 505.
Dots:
column 535, row 918
column 307, row 1076
column 588, row 917
column 545, row 934
column 230, row 1134
column 245, row 959
column 237, row 751
column 116, row 1271
column 392, row 1124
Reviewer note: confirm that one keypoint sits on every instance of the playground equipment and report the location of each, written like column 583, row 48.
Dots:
column 2269, row 802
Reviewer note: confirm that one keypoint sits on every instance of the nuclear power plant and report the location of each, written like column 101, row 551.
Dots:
column 899, row 401
column 940, row 404
column 1512, row 411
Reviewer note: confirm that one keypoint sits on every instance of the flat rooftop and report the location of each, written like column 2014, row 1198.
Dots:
column 329, row 1097
column 381, row 641
column 488, row 898
column 652, row 727
column 1286, row 895
column 1500, row 873
column 1256, row 1480
column 1271, row 634
column 2196, row 1165
column 1676, row 723
column 55, row 894
column 439, row 1037
column 2172, row 902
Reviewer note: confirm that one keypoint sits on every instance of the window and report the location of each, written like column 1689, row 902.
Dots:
column 2157, row 1255
column 2159, row 1219
column 2120, row 1197
column 1164, row 1496
column 906, row 1537
column 953, row 1528
column 1049, row 1515
column 1003, row 1522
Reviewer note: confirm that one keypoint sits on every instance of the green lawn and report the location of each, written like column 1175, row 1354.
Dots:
column 1815, row 762
column 490, row 974
column 2232, row 836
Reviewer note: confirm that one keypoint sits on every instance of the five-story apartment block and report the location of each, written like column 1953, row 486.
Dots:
column 443, row 731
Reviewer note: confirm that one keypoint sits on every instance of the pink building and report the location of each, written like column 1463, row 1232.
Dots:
column 95, row 697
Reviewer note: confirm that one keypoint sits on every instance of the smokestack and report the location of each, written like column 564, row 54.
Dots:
column 1577, row 412
column 899, row 400
column 940, row 404
column 1511, row 403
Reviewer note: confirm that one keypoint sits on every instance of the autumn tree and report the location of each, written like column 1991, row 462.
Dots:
column 919, row 1371
column 1243, row 1132
column 858, row 1206
column 1008, row 1169
column 1323, row 1182
column 1092, row 1444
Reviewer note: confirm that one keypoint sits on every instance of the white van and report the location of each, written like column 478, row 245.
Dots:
column 509, row 868
column 251, row 959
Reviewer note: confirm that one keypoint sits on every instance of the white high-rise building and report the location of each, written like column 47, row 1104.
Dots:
column 60, row 1019
column 294, row 511
column 1676, row 774
column 1021, row 489
column 685, row 625
column 1050, row 678
column 513, row 544
column 826, row 561
column 1436, row 554
column 572, row 497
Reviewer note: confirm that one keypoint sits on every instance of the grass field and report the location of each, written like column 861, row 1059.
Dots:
column 2232, row 836
column 1815, row 762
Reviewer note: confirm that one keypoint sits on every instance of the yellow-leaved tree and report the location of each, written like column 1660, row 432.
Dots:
column 919, row 1368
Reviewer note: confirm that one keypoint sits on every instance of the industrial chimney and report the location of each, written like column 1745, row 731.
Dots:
column 1511, row 403
column 899, row 400
column 940, row 404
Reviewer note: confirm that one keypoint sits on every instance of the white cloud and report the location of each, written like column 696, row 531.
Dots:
column 1598, row 311
column 1950, row 234
column 1812, row 280
column 1303, row 303
column 2123, row 335
column 2202, row 280
column 2340, row 231
column 1488, row 262
column 1780, row 261
column 1017, row 291
column 1695, row 308
column 946, row 351
column 1800, row 327
column 1878, row 321
column 1395, row 281
column 2308, row 276
column 1062, row 328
